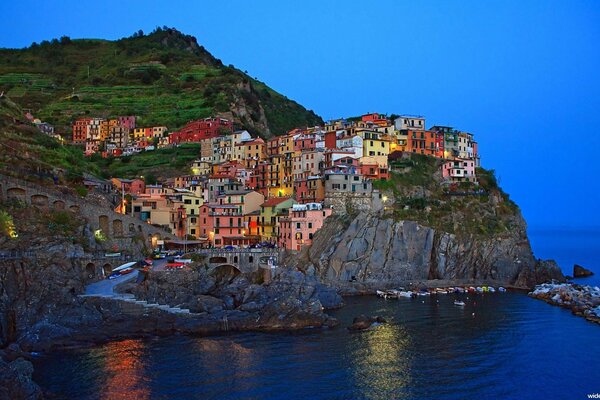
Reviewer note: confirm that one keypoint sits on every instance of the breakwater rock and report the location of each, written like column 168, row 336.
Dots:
column 581, row 272
column 15, row 376
column 581, row 300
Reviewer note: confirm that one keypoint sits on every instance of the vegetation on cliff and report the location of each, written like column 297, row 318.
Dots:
column 164, row 78
column 415, row 192
column 28, row 154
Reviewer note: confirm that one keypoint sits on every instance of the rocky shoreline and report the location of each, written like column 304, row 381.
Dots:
column 583, row 301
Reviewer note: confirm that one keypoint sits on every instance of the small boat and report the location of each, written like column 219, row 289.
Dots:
column 485, row 288
column 124, row 266
column 405, row 294
column 501, row 289
column 126, row 271
column 459, row 303
column 479, row 289
column 491, row 289
column 471, row 289
column 380, row 293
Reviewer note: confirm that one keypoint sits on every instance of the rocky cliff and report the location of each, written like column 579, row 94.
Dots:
column 373, row 251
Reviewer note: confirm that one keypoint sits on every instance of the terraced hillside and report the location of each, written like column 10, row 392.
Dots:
column 164, row 78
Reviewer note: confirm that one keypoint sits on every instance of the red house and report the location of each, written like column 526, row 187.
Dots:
column 206, row 128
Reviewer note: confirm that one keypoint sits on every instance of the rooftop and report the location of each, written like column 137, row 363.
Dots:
column 273, row 201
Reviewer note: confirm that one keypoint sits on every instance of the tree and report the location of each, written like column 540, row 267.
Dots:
column 65, row 40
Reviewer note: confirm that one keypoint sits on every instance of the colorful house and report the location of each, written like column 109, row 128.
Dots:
column 459, row 170
column 297, row 229
column 270, row 212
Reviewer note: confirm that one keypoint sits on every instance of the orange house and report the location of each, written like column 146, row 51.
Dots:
column 425, row 142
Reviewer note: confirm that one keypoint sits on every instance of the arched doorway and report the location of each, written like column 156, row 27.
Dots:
column 40, row 201
column 117, row 228
column 103, row 224
column 58, row 205
column 90, row 271
column 107, row 269
column 17, row 194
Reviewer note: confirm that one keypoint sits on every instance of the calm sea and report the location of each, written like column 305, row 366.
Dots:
column 569, row 246
column 499, row 346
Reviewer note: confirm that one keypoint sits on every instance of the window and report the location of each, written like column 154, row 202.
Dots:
column 193, row 231
column 310, row 225
column 216, row 231
column 310, row 236
column 297, row 225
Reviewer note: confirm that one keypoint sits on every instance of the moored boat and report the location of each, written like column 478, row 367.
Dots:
column 459, row 303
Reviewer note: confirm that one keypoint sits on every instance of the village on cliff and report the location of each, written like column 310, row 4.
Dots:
column 245, row 191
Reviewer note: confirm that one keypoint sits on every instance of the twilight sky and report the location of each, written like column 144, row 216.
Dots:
column 523, row 76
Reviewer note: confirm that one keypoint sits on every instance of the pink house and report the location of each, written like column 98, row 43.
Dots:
column 459, row 170
column 302, row 222
column 127, row 121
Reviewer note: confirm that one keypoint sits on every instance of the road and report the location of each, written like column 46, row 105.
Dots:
column 106, row 287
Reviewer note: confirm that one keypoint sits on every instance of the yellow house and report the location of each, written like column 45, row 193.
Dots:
column 270, row 212
column 374, row 143
column 192, row 203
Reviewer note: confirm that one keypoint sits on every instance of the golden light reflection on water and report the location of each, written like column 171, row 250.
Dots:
column 381, row 362
column 124, row 371
column 237, row 356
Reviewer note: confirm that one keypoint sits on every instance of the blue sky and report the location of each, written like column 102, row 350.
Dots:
column 521, row 75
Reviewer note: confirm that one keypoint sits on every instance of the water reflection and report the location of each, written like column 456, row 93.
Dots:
column 381, row 362
column 124, row 371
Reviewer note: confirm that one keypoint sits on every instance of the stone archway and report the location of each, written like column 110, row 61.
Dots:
column 74, row 208
column 107, row 269
column 40, row 201
column 16, row 193
column 90, row 271
column 103, row 224
column 58, row 205
column 225, row 273
column 117, row 226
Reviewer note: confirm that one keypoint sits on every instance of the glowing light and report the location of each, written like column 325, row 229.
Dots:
column 384, row 198
column 99, row 235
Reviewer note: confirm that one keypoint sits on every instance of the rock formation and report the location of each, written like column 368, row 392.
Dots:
column 581, row 272
column 372, row 251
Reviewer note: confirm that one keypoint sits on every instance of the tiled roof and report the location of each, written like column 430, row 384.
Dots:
column 273, row 201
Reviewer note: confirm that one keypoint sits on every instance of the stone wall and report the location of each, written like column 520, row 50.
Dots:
column 98, row 215
column 349, row 203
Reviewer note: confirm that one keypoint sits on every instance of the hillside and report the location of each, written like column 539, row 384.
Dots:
column 28, row 154
column 165, row 78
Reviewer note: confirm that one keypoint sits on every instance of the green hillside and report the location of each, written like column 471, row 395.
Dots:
column 28, row 154
column 164, row 78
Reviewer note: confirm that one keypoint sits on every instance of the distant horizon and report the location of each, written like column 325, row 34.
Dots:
column 520, row 75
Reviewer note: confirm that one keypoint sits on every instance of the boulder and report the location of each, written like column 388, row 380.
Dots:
column 208, row 304
column 16, row 382
column 363, row 322
column 581, row 272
